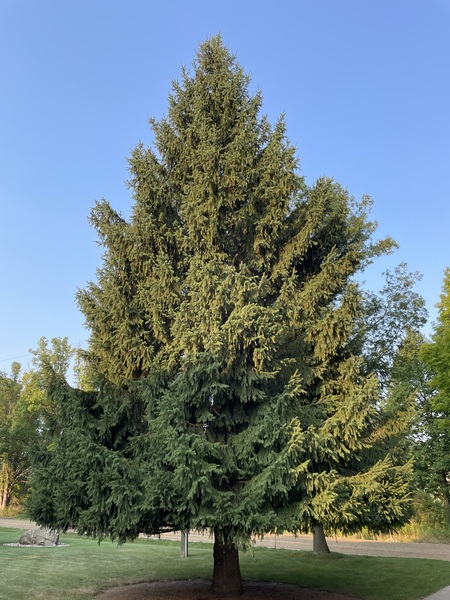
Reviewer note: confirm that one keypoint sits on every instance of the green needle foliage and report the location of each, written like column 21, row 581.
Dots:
column 226, row 395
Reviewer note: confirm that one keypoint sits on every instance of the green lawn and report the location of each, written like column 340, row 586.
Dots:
column 84, row 568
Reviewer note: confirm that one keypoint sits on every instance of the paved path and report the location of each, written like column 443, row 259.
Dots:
column 16, row 523
column 443, row 594
column 304, row 542
column 344, row 546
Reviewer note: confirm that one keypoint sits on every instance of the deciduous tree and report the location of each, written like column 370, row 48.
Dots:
column 16, row 429
column 387, row 319
column 24, row 408
column 50, row 357
column 436, row 354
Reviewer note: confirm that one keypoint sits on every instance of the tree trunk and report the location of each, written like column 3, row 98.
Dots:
column 320, row 545
column 4, row 495
column 445, row 488
column 227, row 579
column 4, row 498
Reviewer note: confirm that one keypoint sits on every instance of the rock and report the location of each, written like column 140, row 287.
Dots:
column 40, row 536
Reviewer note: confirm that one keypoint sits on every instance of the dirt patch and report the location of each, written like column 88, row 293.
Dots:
column 199, row 589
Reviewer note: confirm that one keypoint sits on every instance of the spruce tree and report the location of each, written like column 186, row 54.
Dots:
column 225, row 393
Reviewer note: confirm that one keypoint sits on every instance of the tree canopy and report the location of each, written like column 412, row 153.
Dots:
column 24, row 404
column 15, row 428
column 225, row 393
column 434, row 457
column 437, row 352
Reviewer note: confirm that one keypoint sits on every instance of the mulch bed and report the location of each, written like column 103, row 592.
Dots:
column 199, row 589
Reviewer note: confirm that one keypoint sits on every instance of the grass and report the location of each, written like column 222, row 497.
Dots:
column 84, row 568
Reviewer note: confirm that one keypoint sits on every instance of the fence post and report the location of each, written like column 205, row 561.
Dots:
column 184, row 543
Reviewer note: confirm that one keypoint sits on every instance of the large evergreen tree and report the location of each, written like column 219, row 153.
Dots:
column 225, row 395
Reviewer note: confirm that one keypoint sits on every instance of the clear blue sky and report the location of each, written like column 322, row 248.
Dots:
column 364, row 84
